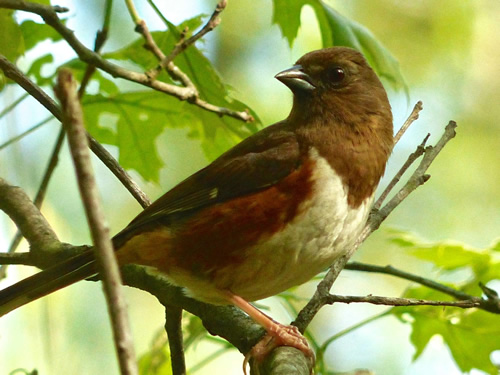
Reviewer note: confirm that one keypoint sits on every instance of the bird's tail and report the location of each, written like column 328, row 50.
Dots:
column 60, row 275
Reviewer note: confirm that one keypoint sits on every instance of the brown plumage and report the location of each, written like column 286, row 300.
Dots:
column 271, row 212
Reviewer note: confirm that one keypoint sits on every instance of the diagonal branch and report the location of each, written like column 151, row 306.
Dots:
column 108, row 266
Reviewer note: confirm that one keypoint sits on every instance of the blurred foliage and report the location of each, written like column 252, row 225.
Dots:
column 471, row 335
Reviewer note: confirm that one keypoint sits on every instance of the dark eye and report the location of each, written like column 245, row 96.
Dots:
column 336, row 75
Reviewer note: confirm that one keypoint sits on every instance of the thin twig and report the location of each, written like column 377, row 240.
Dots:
column 90, row 57
column 40, row 195
column 108, row 267
column 398, row 301
column 184, row 43
column 413, row 116
column 411, row 159
column 13, row 105
column 485, row 304
column 418, row 177
column 25, row 133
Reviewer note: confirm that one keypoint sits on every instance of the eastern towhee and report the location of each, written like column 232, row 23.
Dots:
column 271, row 212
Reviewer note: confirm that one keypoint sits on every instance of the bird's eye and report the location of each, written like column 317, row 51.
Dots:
column 336, row 75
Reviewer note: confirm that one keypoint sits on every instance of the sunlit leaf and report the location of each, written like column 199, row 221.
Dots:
column 132, row 122
column 286, row 14
column 470, row 334
column 452, row 256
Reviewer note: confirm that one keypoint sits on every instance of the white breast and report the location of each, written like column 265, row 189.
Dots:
column 323, row 231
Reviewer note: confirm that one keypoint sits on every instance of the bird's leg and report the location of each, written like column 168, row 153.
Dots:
column 277, row 334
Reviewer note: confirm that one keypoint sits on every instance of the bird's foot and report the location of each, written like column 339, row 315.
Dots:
column 279, row 335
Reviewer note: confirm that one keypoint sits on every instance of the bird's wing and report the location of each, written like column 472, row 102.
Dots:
column 256, row 163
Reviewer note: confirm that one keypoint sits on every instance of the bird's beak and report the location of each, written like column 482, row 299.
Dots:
column 295, row 79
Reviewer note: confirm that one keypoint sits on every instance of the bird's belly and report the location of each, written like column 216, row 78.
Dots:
column 322, row 231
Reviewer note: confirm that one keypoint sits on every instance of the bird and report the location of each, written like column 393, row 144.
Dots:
column 271, row 212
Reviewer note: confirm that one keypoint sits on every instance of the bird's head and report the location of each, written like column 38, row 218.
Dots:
column 334, row 81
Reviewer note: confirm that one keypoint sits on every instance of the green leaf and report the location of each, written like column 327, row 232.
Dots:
column 452, row 256
column 471, row 335
column 132, row 122
column 216, row 133
column 286, row 14
column 34, row 33
column 337, row 30
column 11, row 40
column 348, row 33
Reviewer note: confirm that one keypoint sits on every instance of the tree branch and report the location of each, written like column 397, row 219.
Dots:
column 104, row 252
column 398, row 301
column 49, row 15
column 490, row 304
column 15, row 203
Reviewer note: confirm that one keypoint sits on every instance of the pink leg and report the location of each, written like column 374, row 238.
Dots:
column 277, row 334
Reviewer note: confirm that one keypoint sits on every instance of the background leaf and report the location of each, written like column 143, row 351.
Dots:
column 12, row 46
column 337, row 30
column 471, row 335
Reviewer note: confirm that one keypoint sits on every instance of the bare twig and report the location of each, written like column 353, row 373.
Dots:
column 184, row 43
column 39, row 197
column 12, row 72
column 413, row 116
column 108, row 267
column 418, row 177
column 182, row 93
column 486, row 304
column 411, row 158
column 398, row 301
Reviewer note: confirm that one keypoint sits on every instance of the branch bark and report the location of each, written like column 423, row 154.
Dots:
column 104, row 252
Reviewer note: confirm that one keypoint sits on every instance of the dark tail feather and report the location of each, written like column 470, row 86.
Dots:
column 48, row 281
